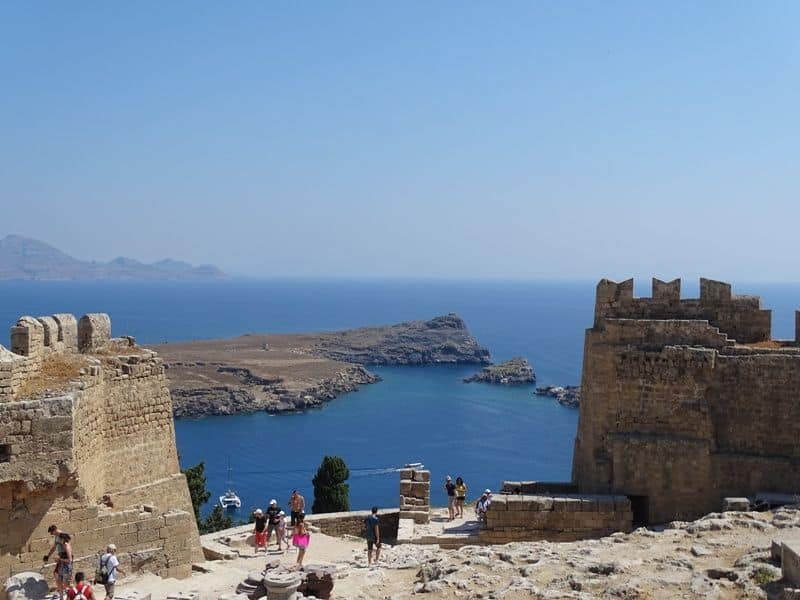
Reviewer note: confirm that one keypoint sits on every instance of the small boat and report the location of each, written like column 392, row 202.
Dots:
column 229, row 500
column 414, row 465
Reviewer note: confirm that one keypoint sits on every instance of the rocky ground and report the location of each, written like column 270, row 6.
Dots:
column 723, row 556
column 516, row 371
column 295, row 372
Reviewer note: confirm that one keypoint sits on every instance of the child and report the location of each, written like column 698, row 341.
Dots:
column 260, row 529
column 300, row 539
column 282, row 528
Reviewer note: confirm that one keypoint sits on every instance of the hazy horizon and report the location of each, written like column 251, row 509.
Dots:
column 522, row 141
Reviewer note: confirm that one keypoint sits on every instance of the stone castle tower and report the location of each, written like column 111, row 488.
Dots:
column 686, row 401
column 87, row 442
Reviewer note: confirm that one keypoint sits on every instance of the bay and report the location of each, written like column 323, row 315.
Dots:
column 483, row 433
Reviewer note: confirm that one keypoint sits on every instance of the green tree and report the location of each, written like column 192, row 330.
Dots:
column 215, row 521
column 331, row 493
column 196, row 480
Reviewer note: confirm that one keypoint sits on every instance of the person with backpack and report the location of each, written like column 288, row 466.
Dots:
column 81, row 590
column 108, row 569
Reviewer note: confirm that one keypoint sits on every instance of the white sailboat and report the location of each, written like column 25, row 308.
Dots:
column 229, row 500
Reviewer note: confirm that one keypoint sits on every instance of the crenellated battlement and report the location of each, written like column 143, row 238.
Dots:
column 86, row 440
column 740, row 317
column 686, row 401
column 34, row 339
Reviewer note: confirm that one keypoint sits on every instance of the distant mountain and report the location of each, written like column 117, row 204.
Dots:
column 26, row 258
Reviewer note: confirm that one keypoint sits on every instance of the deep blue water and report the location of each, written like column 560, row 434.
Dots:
column 483, row 433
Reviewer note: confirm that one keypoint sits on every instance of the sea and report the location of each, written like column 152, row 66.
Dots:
column 482, row 433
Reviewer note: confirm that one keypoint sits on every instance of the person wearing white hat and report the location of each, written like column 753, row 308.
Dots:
column 260, row 529
column 274, row 520
column 481, row 506
column 108, row 569
column 450, row 488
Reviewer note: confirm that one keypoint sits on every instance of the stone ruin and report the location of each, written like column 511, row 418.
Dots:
column 415, row 495
column 686, row 401
column 87, row 442
column 688, row 407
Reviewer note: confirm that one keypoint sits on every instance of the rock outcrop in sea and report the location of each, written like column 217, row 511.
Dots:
column 567, row 395
column 516, row 371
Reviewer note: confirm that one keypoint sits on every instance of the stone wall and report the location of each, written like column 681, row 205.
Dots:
column 352, row 523
column 97, row 456
column 561, row 518
column 676, row 414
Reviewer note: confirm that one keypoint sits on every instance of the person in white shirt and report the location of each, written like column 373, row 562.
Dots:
column 110, row 561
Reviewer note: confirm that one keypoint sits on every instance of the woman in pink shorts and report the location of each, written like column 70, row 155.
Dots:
column 300, row 540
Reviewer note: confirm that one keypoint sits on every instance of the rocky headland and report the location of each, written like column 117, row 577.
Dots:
column 442, row 340
column 566, row 395
column 516, row 371
column 295, row 372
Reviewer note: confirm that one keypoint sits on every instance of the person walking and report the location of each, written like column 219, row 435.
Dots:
column 301, row 537
column 461, row 497
column 260, row 529
column 81, row 590
column 63, row 549
column 372, row 531
column 450, row 488
column 108, row 570
column 297, row 505
column 273, row 521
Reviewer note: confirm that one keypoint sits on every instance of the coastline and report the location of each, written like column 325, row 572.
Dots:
column 290, row 373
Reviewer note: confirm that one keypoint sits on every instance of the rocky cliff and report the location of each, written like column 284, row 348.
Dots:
column 295, row 372
column 441, row 340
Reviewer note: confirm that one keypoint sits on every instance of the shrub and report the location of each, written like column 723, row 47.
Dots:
column 216, row 521
column 196, row 480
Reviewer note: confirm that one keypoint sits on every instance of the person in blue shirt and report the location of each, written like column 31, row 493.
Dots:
column 372, row 532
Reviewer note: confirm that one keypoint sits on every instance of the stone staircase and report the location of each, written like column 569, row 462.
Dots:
column 445, row 534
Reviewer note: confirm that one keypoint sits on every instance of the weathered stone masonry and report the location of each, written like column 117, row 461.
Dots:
column 108, row 431
column 686, row 401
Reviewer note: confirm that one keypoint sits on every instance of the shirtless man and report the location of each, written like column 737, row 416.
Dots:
column 63, row 549
column 298, row 505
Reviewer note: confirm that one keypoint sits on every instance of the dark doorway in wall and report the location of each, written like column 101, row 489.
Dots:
column 640, row 505
column 5, row 453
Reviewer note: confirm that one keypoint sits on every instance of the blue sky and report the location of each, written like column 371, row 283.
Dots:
column 433, row 139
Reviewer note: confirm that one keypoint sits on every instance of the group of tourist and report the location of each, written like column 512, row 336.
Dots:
column 457, row 497
column 69, row 588
column 274, row 520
